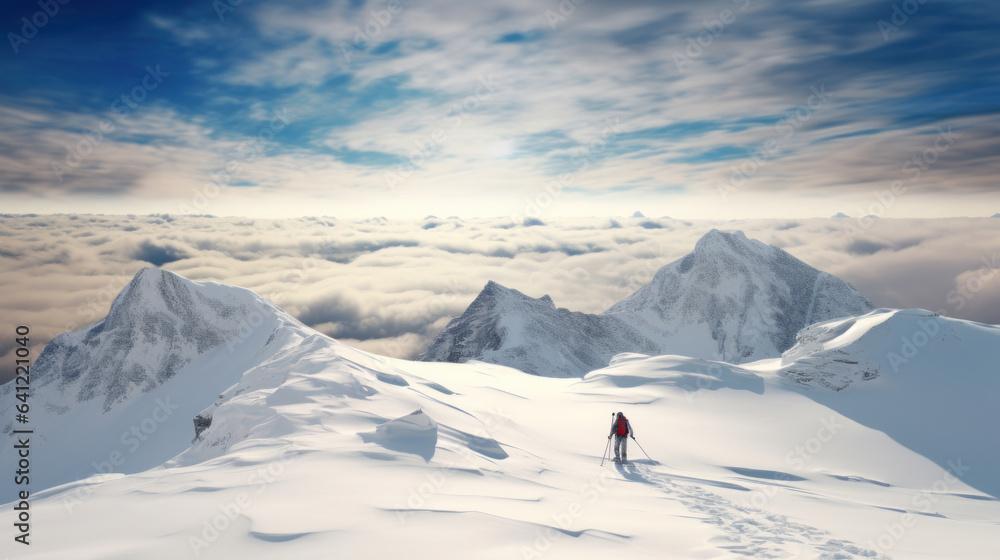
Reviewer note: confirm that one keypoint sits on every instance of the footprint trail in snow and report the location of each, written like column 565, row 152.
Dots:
column 748, row 531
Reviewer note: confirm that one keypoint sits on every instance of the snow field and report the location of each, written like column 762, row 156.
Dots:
column 319, row 450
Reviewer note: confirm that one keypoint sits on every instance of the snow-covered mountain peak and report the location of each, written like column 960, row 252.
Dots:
column 736, row 242
column 496, row 290
column 495, row 295
column 746, row 297
column 125, row 388
column 732, row 298
column 153, row 290
column 715, row 237
column 492, row 286
column 156, row 325
column 505, row 326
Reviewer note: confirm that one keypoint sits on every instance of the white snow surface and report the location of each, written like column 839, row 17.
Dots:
column 319, row 450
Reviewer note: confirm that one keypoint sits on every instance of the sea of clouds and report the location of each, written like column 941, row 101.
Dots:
column 390, row 286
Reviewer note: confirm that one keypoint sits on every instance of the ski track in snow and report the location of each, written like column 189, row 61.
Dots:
column 750, row 532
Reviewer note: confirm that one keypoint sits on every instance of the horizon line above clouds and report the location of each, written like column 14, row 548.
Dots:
column 862, row 220
column 731, row 109
column 389, row 286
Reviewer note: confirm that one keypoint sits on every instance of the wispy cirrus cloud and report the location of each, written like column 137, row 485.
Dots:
column 696, row 88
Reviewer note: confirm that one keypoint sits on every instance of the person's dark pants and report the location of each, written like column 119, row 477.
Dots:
column 621, row 442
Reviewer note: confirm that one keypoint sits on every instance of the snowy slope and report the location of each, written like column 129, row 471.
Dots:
column 318, row 450
column 120, row 395
column 731, row 299
column 927, row 381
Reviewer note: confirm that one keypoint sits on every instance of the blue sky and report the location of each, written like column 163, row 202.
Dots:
column 731, row 108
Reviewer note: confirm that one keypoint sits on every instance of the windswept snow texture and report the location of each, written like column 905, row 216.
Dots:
column 731, row 299
column 414, row 433
column 317, row 450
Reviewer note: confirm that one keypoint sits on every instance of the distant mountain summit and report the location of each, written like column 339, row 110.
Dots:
column 735, row 299
column 731, row 299
column 504, row 326
column 156, row 325
column 120, row 395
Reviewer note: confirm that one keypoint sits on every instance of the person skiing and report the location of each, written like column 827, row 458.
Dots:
column 621, row 429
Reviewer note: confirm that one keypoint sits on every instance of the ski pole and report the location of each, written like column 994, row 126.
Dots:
column 643, row 450
column 607, row 445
